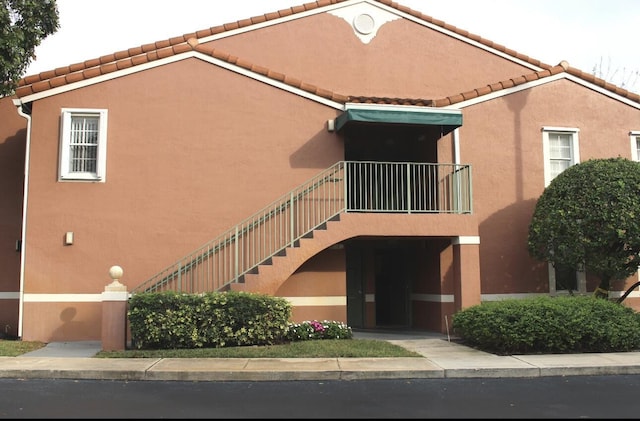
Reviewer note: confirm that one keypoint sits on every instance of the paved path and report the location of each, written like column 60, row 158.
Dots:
column 442, row 358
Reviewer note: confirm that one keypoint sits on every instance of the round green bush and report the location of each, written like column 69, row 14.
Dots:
column 549, row 325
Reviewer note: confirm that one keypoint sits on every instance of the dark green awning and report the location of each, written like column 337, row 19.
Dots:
column 449, row 120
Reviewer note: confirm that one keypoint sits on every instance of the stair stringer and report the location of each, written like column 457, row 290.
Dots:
column 270, row 277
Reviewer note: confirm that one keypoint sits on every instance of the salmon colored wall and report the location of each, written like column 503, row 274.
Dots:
column 65, row 321
column 435, row 275
column 334, row 313
column 467, row 280
column 433, row 316
column 113, row 328
column 12, row 146
column 434, row 267
column 336, row 59
column 181, row 169
column 508, row 168
column 322, row 275
column 632, row 302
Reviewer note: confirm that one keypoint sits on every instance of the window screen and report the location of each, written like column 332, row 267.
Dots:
column 84, row 143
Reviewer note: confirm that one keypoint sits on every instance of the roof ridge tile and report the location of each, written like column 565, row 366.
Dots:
column 390, row 101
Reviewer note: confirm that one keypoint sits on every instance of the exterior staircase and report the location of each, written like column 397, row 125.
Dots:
column 348, row 199
column 268, row 276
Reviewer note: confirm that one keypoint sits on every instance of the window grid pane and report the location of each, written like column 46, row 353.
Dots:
column 638, row 147
column 560, row 152
column 84, row 144
column 560, row 146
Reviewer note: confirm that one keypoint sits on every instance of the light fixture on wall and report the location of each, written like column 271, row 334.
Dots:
column 68, row 238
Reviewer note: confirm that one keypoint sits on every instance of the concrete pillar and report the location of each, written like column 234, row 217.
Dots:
column 114, row 312
column 466, row 264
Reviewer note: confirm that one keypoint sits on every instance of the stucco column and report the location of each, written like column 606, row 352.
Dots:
column 466, row 264
column 114, row 312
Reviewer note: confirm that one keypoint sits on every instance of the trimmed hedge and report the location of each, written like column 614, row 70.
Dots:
column 170, row 320
column 545, row 325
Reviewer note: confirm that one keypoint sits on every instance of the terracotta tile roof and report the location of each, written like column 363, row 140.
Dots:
column 509, row 83
column 176, row 45
column 145, row 52
column 390, row 101
column 603, row 84
column 280, row 77
column 498, row 86
column 93, row 68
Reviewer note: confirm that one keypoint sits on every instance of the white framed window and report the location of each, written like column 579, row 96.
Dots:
column 560, row 150
column 563, row 280
column 634, row 137
column 83, row 144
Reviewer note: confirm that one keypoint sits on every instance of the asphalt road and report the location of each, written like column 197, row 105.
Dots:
column 542, row 397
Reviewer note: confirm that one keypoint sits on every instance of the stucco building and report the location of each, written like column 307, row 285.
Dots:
column 372, row 164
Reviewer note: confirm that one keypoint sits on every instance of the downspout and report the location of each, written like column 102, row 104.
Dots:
column 20, row 107
column 456, row 147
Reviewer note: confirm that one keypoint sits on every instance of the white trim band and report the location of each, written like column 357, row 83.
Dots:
column 466, row 239
column 317, row 301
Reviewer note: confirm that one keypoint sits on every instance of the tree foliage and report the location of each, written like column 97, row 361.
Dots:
column 590, row 215
column 628, row 79
column 23, row 25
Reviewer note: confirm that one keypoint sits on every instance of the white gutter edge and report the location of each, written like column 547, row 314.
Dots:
column 408, row 108
column 27, row 152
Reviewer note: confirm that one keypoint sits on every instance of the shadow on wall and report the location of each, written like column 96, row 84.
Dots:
column 505, row 261
column 320, row 151
column 12, row 150
column 70, row 329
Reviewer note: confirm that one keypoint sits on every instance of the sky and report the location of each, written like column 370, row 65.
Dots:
column 595, row 36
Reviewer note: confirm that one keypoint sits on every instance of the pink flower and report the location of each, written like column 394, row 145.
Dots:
column 317, row 326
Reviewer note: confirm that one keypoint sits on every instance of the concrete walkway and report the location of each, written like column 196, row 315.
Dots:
column 441, row 358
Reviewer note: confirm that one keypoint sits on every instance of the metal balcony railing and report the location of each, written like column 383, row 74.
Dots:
column 347, row 186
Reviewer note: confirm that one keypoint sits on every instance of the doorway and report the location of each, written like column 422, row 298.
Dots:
column 380, row 279
column 392, row 288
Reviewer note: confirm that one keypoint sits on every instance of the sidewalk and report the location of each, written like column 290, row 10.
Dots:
column 442, row 359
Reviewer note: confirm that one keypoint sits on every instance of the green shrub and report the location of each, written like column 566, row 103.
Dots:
column 170, row 320
column 314, row 329
column 549, row 325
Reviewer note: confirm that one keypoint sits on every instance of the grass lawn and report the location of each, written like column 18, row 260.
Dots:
column 322, row 348
column 13, row 348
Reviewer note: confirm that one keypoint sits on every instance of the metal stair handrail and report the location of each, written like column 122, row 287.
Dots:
column 287, row 203
column 347, row 186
